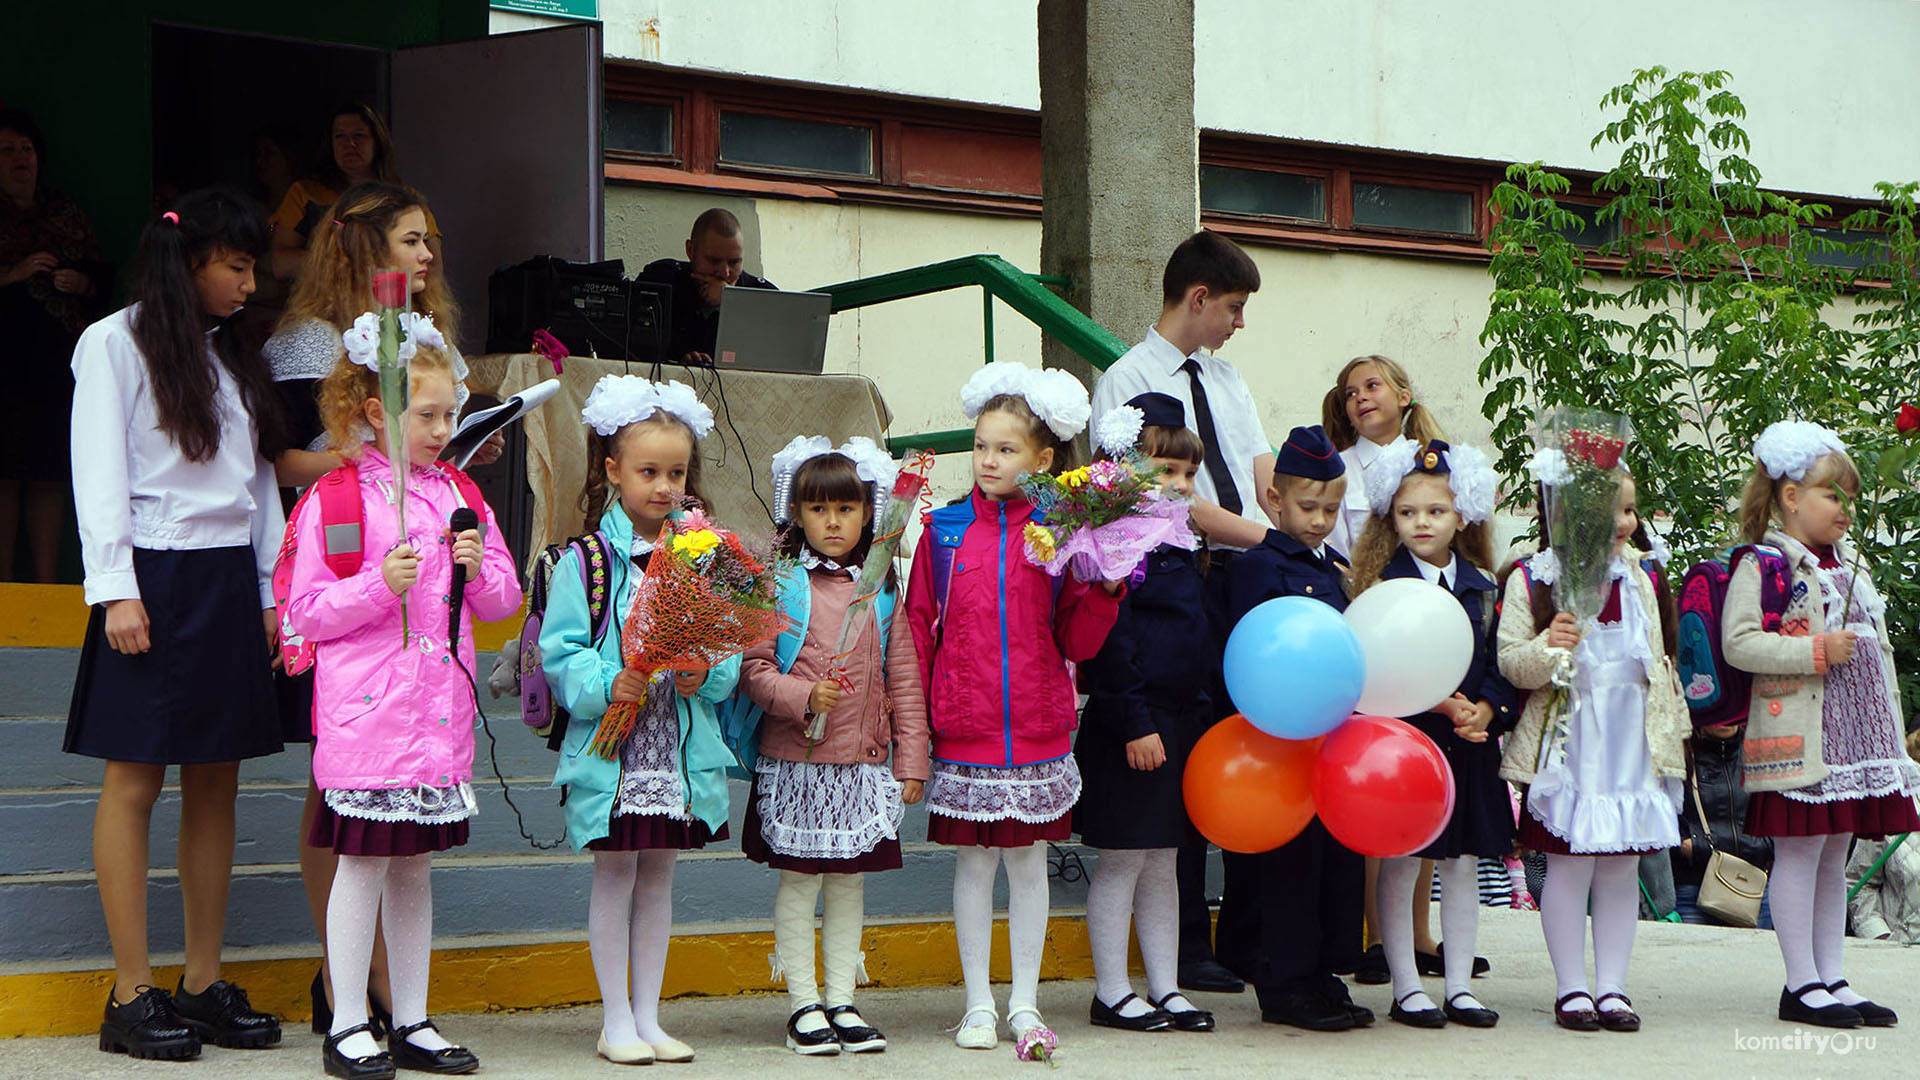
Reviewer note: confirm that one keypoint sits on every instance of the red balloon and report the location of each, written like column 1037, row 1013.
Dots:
column 1246, row 790
column 1382, row 787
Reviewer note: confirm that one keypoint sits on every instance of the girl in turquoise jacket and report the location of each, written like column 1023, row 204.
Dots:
column 667, row 792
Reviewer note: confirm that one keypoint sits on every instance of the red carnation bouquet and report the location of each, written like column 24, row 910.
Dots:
column 704, row 598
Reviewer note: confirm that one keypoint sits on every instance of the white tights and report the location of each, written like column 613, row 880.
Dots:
column 1809, row 898
column 1459, row 927
column 398, row 891
column 1027, row 897
column 1612, row 882
column 628, row 918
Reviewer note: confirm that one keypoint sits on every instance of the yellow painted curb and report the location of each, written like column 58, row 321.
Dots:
column 513, row 977
column 55, row 617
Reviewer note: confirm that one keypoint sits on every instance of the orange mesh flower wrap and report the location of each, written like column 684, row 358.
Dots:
column 702, row 599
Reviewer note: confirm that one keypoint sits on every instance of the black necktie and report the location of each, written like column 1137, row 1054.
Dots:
column 1223, row 485
column 1443, row 583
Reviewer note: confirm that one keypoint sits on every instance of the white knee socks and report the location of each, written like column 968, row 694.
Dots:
column 1797, row 890
column 1563, row 920
column 793, row 903
column 1616, row 914
column 842, row 917
column 973, row 872
column 1394, row 898
column 1027, row 898
column 1110, row 896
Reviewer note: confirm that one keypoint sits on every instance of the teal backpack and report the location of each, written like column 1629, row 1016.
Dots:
column 739, row 717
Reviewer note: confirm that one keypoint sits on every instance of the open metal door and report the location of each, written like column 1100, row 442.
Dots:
column 502, row 134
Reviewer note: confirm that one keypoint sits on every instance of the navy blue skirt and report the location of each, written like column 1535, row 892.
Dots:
column 203, row 690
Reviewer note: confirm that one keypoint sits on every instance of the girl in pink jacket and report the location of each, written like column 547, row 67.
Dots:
column 393, row 710
column 994, row 634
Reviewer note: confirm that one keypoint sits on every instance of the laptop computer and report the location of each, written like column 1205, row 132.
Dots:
column 770, row 330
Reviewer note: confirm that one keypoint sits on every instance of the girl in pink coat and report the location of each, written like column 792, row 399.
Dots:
column 393, row 709
column 994, row 634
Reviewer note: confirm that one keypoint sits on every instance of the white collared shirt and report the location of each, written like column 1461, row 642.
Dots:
column 1432, row 573
column 1355, row 510
column 132, row 486
column 1154, row 365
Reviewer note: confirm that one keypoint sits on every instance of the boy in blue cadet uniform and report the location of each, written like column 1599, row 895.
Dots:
column 1310, row 889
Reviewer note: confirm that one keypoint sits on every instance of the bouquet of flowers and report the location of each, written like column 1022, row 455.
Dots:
column 888, row 528
column 1577, row 466
column 1102, row 519
column 704, row 598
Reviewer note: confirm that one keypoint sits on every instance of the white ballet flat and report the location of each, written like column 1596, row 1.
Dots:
column 978, row 1036
column 672, row 1052
column 632, row 1054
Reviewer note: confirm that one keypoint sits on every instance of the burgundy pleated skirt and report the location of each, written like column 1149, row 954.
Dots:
column 1537, row 837
column 389, row 839
column 655, row 832
column 1770, row 813
column 882, row 856
column 1006, row 833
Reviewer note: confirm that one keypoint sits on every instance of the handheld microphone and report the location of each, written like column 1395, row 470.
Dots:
column 464, row 518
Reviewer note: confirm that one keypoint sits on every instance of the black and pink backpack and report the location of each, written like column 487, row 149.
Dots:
column 1716, row 691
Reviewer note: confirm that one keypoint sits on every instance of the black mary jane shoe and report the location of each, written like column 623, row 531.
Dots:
column 1101, row 1014
column 1616, row 1019
column 147, row 1027
column 1582, row 1019
column 1835, row 1015
column 1419, row 1018
column 221, row 1015
column 448, row 1061
column 1871, row 1014
column 1479, row 1016
column 375, row 1066
column 855, row 1034
column 820, row 1042
column 1187, row 1019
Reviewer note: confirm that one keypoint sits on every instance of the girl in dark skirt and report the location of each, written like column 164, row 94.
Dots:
column 667, row 793
column 1430, row 508
column 393, row 707
column 174, row 431
column 1146, row 705
column 1824, row 760
column 826, row 806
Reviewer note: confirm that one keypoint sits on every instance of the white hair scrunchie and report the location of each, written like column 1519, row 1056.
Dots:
column 1057, row 398
column 1788, row 448
column 619, row 400
column 362, row 339
column 1470, row 477
column 871, row 463
column 1383, row 477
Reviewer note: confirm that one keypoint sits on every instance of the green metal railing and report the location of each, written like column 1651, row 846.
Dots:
column 1028, row 294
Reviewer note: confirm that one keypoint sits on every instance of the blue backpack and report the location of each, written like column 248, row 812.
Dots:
column 739, row 716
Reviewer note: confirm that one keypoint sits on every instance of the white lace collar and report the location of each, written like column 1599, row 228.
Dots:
column 813, row 560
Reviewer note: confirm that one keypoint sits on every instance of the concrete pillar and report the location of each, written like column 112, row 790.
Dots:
column 1120, row 156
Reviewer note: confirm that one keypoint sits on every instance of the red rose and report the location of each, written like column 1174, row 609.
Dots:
column 1908, row 420
column 1599, row 450
column 390, row 288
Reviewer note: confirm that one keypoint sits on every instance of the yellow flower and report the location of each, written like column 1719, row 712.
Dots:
column 1075, row 479
column 1040, row 541
column 695, row 544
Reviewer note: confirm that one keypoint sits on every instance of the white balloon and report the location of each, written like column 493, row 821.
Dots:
column 1418, row 644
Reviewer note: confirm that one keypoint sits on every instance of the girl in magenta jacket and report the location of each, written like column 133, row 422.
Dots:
column 994, row 634
column 393, row 722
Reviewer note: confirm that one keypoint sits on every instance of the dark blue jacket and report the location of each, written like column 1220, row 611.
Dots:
column 1282, row 566
column 1483, row 681
column 1159, row 657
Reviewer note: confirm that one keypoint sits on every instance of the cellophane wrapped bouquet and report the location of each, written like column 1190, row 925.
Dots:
column 704, row 597
column 1100, row 520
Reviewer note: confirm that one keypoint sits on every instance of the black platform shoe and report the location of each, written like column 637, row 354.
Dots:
column 856, row 1035
column 1835, row 1015
column 1101, row 1014
column 375, row 1066
column 147, row 1027
column 449, row 1061
column 820, row 1042
column 221, row 1015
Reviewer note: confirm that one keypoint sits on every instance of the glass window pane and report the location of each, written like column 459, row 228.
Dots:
column 637, row 127
column 1394, row 206
column 1589, row 233
column 1875, row 251
column 785, row 143
column 1227, row 190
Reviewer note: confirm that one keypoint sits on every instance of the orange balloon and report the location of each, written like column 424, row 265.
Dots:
column 1246, row 790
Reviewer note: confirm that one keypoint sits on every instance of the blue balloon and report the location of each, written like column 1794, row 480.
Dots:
column 1294, row 668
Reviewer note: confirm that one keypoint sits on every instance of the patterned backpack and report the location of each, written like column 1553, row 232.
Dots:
column 543, row 715
column 1716, row 691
